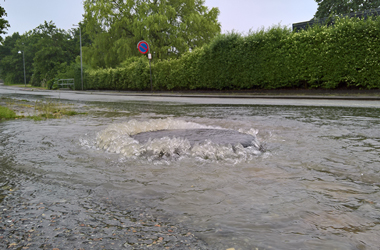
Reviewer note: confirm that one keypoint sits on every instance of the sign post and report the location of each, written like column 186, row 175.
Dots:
column 144, row 48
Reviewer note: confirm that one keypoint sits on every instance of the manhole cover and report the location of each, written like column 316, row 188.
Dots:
column 219, row 136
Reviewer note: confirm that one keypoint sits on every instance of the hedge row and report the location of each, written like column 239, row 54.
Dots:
column 320, row 57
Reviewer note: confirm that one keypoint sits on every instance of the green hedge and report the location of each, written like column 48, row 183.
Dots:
column 346, row 54
column 135, row 76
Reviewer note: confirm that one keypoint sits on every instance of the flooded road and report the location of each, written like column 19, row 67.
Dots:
column 84, row 182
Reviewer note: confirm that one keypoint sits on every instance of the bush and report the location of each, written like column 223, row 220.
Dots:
column 55, row 86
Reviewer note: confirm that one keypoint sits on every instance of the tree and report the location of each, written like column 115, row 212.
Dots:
column 171, row 27
column 3, row 23
column 47, row 51
column 55, row 48
column 328, row 7
column 11, row 64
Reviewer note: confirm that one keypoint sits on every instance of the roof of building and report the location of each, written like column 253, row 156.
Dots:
column 330, row 20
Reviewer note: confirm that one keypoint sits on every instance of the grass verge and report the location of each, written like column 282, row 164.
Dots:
column 38, row 110
column 6, row 113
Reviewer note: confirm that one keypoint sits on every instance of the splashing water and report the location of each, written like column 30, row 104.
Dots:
column 118, row 138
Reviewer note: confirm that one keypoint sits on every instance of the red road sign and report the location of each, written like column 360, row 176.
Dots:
column 143, row 47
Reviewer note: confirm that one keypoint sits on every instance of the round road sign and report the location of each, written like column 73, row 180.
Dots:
column 143, row 47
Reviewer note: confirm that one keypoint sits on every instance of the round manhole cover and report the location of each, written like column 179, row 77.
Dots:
column 194, row 136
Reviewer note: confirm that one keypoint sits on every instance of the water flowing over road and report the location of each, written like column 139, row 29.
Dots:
column 313, row 182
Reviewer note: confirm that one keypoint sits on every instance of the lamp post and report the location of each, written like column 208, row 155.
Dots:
column 23, row 60
column 80, row 44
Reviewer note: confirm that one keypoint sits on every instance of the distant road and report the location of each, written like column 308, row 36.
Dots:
column 335, row 101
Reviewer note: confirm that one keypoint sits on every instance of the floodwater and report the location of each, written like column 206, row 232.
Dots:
column 315, row 183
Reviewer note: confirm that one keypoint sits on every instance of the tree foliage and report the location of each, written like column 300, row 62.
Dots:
column 11, row 64
column 49, row 52
column 171, row 27
column 53, row 50
column 340, row 7
column 4, row 24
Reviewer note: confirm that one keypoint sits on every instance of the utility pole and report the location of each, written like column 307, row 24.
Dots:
column 23, row 62
column 81, row 61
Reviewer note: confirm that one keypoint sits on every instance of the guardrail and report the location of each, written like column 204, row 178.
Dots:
column 66, row 83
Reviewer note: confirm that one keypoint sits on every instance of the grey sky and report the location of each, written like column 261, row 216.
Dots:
column 238, row 15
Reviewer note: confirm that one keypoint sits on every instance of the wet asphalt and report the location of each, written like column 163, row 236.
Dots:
column 338, row 98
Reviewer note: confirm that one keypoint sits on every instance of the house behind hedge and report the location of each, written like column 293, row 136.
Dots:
column 331, row 20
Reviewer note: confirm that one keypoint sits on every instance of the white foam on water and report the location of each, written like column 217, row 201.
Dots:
column 116, row 138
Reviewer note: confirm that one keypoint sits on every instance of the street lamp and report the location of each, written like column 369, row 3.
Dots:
column 80, row 44
column 23, row 60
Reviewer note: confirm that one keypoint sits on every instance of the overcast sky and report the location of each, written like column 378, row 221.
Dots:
column 238, row 15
